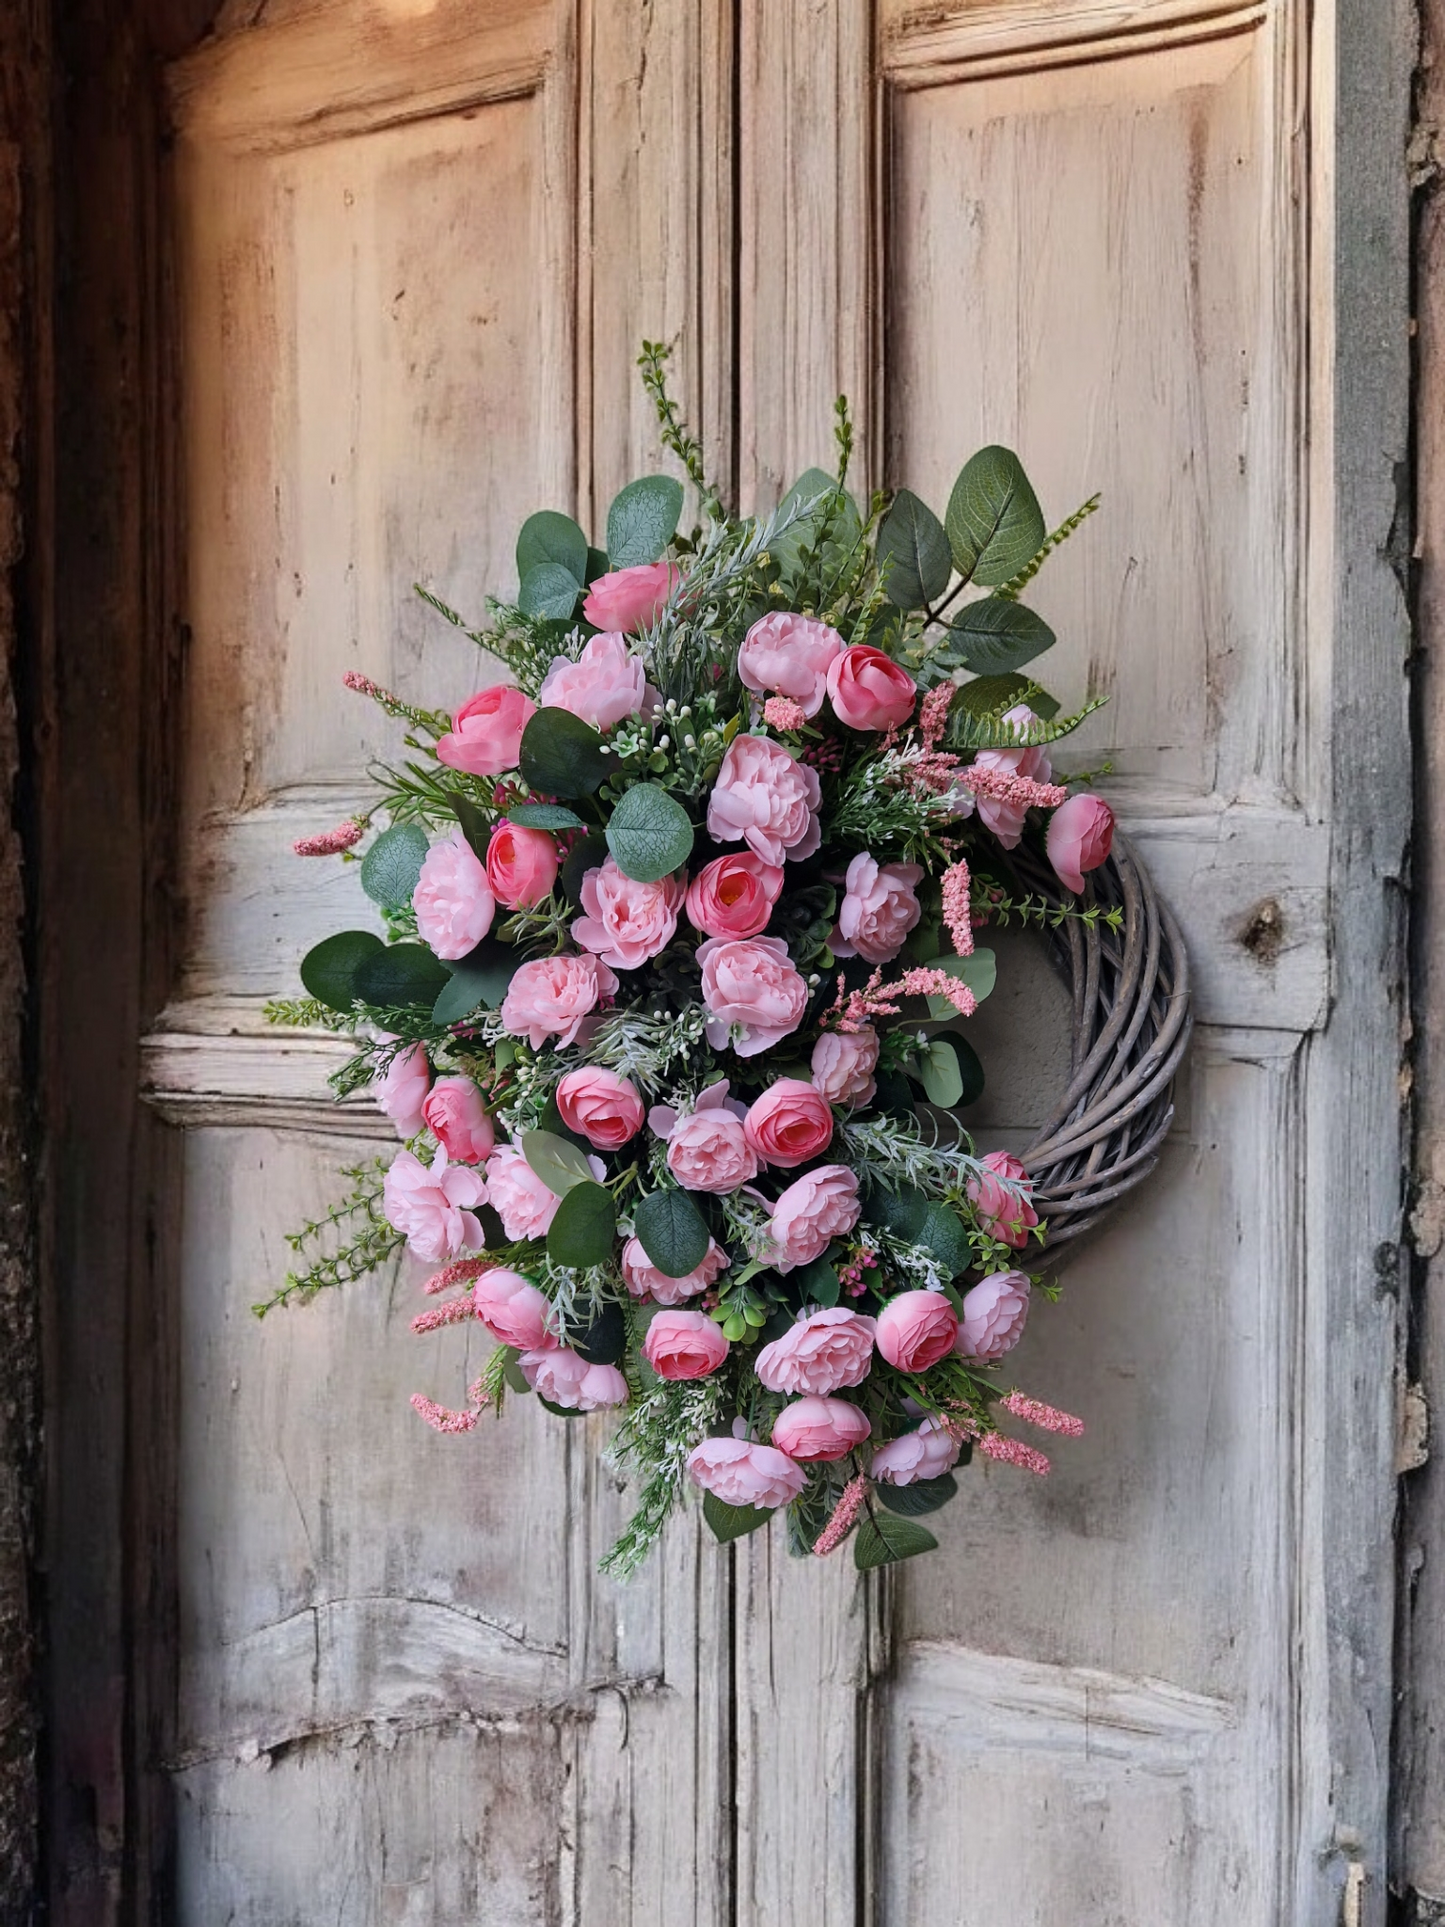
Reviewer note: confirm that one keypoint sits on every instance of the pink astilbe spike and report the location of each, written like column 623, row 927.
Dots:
column 877, row 999
column 460, row 1271
column 1007, row 786
column 1046, row 1417
column 958, row 906
column 844, row 1513
column 933, row 712
column 439, row 1418
column 780, row 713
column 455, row 1311
column 938, row 983
column 330, row 842
column 1013, row 1452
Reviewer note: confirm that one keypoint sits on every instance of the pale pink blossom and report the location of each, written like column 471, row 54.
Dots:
column 627, row 600
column 790, row 1123
column 453, row 900
column 602, row 1106
column 733, row 896
column 879, row 909
column 603, row 686
column 564, row 1379
column 819, row 1353
column 816, row 1430
column 916, row 1329
column 644, row 1280
column 432, row 1208
column 994, row 1315
column 553, row 995
column 402, row 1087
column 525, row 1205
column 767, row 799
column 843, row 1065
column 514, row 1311
column 789, row 655
column 1006, row 819
column 486, row 734
column 1001, row 1199
column 816, row 1208
column 925, row 1454
column 627, row 923
column 684, row 1344
column 522, row 865
column 458, row 1121
column 742, row 1472
column 750, row 986
column 708, row 1149
column 1080, row 836
column 868, row 690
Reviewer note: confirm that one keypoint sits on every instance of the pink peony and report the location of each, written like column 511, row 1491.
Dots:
column 627, row 600
column 453, row 900
column 626, row 923
column 564, row 1379
column 741, row 1472
column 603, row 687
column 765, row 798
column 816, row 1208
column 644, row 1280
column 430, row 1207
column 1002, row 1211
column 925, row 1454
column 750, row 983
column 868, row 690
column 789, row 655
column 551, row 997
column 602, row 1106
column 819, row 1353
column 815, row 1429
column 879, row 909
column 789, row 1124
column 733, row 896
column 1005, row 819
column 843, row 1065
column 524, row 1204
column 514, row 1311
column 457, row 1121
column 1081, row 835
column 522, row 865
column 916, row 1329
column 402, row 1087
column 709, row 1151
column 994, row 1314
column 486, row 737
column 684, row 1344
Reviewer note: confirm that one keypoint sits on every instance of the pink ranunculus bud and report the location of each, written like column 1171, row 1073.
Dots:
column 844, row 1063
column 879, row 909
column 916, row 1329
column 553, row 995
column 645, row 1281
column 925, row 1454
column 453, row 900
column 525, row 1205
column 602, row 687
column 514, row 1311
column 868, row 690
column 708, row 1151
column 767, row 799
column 818, row 1429
column 1080, row 836
column 789, row 1123
column 752, row 984
column 626, row 600
column 486, row 735
column 819, row 1353
column 402, row 1087
column 734, row 895
column 684, row 1344
column 742, row 1472
column 1005, row 1213
column 564, row 1379
column 1006, row 819
column 626, row 923
column 994, row 1314
column 457, row 1120
column 432, row 1208
column 789, row 655
column 602, row 1106
column 816, row 1208
column 522, row 865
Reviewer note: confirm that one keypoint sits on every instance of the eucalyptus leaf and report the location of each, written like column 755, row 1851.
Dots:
column 550, row 537
column 476, row 824
column 809, row 494
column 561, row 755
column 939, row 1074
column 589, row 854
column 401, row 975
column 883, row 1539
column 649, row 834
column 392, row 866
column 729, row 1522
column 671, row 1230
column 550, row 591
column 481, row 977
column 944, row 1234
column 560, row 1411
column 557, row 1163
column 979, row 971
column 512, row 1371
column 894, row 1094
column 605, row 1339
column 329, row 969
column 597, row 564
column 902, row 1212
column 914, row 550
column 643, row 520
column 818, row 1284
column 993, row 636
column 544, row 816
column 993, row 520
column 583, row 1230
column 924, row 1495
column 969, row 1069
column 993, row 695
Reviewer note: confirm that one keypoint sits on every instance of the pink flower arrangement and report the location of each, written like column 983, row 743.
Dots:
column 752, row 992
column 454, row 1114
column 819, row 1354
column 790, row 656
column 684, row 1344
column 626, row 923
column 733, row 896
column 626, row 600
column 815, row 1429
column 789, row 1124
column 486, row 733
column 879, row 909
column 522, row 865
column 603, row 686
column 431, row 1206
column 740, row 1472
column 453, row 900
column 553, row 996
column 602, row 1106
column 766, row 799
column 1001, row 1199
column 644, row 1280
column 994, row 1315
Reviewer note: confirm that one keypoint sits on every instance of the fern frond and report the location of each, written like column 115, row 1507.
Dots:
column 1012, row 590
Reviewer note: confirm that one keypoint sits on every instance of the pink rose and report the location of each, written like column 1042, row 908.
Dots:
column 878, row 911
column 627, row 600
column 551, row 997
column 868, row 690
column 789, row 655
column 816, row 1208
column 1004, row 1212
column 925, row 1454
column 733, row 896
column 684, row 1344
column 402, row 1087
column 708, row 1150
column 564, row 1379
column 644, row 1280
column 916, row 1329
column 524, row 1204
column 994, row 1314
column 457, row 1121
column 843, row 1065
column 1005, row 819
column 789, row 1124
column 514, row 1311
column 741, row 1472
column 765, row 798
column 1081, row 834
column 453, row 901
column 819, row 1353
column 627, row 923
column 604, row 1107
column 429, row 1207
column 814, row 1429
column 605, row 685
column 750, row 982
column 522, row 865
column 486, row 737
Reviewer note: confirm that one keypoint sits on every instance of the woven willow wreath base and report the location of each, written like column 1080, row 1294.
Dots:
column 1131, row 1024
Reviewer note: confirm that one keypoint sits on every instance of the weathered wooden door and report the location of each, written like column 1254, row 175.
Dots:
column 416, row 245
